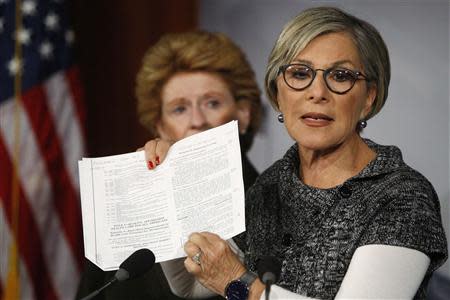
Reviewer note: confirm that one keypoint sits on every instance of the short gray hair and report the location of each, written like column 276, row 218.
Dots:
column 321, row 20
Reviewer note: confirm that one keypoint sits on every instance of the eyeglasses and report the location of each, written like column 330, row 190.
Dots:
column 338, row 80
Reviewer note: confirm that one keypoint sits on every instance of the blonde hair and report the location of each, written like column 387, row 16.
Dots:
column 192, row 52
column 321, row 20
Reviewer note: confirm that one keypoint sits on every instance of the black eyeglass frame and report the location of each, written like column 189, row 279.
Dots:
column 356, row 75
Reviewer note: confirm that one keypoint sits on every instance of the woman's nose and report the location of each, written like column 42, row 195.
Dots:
column 198, row 118
column 318, row 89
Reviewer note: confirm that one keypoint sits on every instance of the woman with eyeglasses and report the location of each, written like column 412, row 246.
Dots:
column 346, row 217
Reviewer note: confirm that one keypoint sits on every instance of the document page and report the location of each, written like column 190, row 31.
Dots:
column 198, row 187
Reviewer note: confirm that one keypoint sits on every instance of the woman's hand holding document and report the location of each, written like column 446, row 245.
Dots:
column 198, row 187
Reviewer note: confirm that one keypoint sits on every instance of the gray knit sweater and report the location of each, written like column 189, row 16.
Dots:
column 316, row 231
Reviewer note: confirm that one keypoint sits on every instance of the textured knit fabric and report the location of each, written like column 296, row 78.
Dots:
column 315, row 232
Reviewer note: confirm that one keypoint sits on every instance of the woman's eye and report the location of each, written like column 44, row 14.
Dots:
column 300, row 73
column 179, row 110
column 341, row 75
column 213, row 103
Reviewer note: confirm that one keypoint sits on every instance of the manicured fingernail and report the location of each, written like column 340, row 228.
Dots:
column 150, row 165
column 157, row 160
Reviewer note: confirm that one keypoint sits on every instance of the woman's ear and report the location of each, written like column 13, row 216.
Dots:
column 371, row 96
column 244, row 109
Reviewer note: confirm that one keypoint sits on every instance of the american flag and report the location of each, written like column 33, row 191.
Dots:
column 41, row 139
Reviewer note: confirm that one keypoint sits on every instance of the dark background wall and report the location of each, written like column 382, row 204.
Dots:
column 112, row 37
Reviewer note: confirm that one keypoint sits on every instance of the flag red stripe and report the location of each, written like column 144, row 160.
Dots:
column 65, row 198
column 29, row 243
column 73, row 79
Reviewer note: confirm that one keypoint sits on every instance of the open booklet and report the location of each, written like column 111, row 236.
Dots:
column 198, row 187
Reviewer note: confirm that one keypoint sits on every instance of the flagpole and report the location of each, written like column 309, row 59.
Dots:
column 13, row 278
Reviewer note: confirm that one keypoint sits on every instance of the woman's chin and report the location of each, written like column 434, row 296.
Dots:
column 315, row 144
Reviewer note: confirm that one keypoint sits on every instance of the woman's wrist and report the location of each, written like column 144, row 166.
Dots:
column 246, row 286
column 256, row 290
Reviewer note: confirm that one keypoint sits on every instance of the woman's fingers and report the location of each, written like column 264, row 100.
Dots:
column 162, row 147
column 194, row 256
column 212, row 261
column 210, row 245
column 150, row 153
column 203, row 240
column 191, row 249
column 155, row 152
column 191, row 266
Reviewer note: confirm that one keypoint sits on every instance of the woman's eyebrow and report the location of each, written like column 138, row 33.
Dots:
column 176, row 101
column 343, row 62
column 302, row 61
column 209, row 94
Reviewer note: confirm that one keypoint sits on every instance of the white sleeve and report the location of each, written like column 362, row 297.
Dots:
column 184, row 284
column 381, row 271
column 377, row 272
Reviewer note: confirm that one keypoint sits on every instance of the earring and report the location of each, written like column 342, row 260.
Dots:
column 280, row 118
column 362, row 124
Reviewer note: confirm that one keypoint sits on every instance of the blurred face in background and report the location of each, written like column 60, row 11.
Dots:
column 196, row 101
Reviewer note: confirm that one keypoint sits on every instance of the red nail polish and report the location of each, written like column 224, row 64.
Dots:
column 150, row 164
column 157, row 160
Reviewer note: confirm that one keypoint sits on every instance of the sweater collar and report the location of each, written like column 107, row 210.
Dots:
column 388, row 159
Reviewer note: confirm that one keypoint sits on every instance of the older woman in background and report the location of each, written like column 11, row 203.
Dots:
column 347, row 217
column 195, row 81
column 188, row 82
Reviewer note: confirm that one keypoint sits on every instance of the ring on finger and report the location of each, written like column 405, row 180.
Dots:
column 196, row 258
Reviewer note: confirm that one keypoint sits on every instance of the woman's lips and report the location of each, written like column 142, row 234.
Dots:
column 316, row 119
